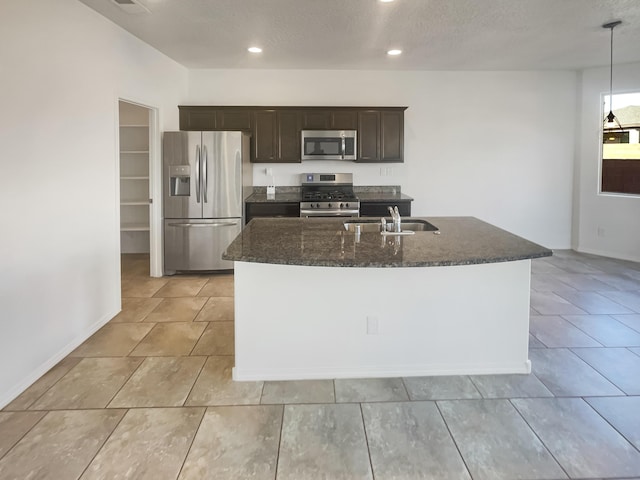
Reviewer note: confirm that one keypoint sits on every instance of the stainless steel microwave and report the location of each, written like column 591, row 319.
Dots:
column 329, row 144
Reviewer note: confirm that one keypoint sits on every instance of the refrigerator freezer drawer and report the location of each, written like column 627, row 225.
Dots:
column 197, row 244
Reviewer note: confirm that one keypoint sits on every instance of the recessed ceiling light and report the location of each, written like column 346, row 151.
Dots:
column 255, row 49
column 394, row 51
column 386, row 1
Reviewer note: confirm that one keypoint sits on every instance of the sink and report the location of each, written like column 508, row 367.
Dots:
column 411, row 224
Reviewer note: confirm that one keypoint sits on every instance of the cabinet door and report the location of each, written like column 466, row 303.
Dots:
column 344, row 119
column 369, row 136
column 272, row 209
column 312, row 119
column 392, row 136
column 264, row 139
column 381, row 209
column 197, row 118
column 233, row 119
column 288, row 134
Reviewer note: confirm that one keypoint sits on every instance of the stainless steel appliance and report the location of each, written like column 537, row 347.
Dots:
column 206, row 178
column 328, row 195
column 329, row 144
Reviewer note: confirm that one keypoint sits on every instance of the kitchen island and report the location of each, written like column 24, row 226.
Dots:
column 315, row 301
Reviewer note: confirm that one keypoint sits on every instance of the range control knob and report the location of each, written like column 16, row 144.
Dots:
column 342, row 205
column 346, row 205
column 329, row 206
column 317, row 205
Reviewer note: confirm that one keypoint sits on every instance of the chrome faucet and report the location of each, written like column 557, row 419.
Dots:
column 395, row 215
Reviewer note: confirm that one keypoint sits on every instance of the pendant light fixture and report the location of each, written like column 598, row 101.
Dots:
column 611, row 121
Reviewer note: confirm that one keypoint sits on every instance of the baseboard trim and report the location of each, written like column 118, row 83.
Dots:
column 613, row 255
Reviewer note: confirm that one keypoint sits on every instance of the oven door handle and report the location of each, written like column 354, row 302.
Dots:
column 329, row 213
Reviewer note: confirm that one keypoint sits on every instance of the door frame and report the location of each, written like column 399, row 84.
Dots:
column 155, row 183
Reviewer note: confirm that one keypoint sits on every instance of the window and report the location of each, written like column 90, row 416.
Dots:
column 621, row 146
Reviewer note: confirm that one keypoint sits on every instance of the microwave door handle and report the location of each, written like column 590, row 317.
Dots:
column 197, row 173
column 344, row 146
column 205, row 179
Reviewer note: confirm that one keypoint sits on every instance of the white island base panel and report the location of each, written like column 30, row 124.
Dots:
column 305, row 322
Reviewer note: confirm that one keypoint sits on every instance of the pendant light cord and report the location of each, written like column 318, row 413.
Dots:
column 611, row 73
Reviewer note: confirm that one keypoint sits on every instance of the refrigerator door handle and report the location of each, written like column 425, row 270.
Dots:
column 205, row 175
column 217, row 224
column 198, row 173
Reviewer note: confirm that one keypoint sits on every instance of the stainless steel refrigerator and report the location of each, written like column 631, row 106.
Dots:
column 206, row 178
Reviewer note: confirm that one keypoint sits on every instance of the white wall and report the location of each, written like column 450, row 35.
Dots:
column 63, row 69
column 495, row 145
column 617, row 215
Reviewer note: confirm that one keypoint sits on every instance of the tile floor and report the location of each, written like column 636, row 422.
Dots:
column 150, row 396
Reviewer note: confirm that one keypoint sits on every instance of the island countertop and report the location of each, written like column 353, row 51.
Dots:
column 324, row 242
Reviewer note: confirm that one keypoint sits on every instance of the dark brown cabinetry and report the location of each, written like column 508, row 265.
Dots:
column 381, row 135
column 208, row 118
column 272, row 209
column 276, row 137
column 381, row 208
column 276, row 130
column 336, row 119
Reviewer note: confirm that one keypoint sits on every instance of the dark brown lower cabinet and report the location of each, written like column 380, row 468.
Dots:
column 271, row 209
column 381, row 209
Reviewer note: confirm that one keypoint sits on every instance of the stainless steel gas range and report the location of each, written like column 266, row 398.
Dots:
column 328, row 195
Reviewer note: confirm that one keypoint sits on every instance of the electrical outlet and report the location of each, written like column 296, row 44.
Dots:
column 601, row 232
column 372, row 325
column 383, row 171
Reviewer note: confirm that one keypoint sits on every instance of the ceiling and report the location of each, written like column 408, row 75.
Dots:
column 355, row 34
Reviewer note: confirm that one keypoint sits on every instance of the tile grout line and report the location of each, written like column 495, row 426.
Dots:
column 366, row 441
column 106, row 406
column 106, row 439
column 195, row 434
column 538, row 437
column 186, row 398
column 453, row 439
column 25, row 433
column 584, row 399
column 275, row 476
column 195, row 344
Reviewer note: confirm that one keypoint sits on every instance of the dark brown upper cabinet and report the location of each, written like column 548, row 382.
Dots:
column 276, row 136
column 276, row 130
column 316, row 119
column 344, row 119
column 336, row 119
column 215, row 118
column 381, row 135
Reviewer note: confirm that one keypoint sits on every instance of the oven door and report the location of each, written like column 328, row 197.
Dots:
column 328, row 145
column 328, row 212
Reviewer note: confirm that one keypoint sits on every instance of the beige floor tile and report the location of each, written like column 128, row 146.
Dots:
column 234, row 443
column 182, row 287
column 217, row 339
column 160, row 382
column 298, row 391
column 161, row 438
column 13, row 426
column 142, row 287
column 179, row 309
column 217, row 309
column 216, row 387
column 90, row 384
column 218, row 286
column 113, row 340
column 135, row 309
column 44, row 383
column 60, row 446
column 169, row 339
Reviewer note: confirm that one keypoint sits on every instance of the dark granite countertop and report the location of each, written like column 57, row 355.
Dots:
column 324, row 242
